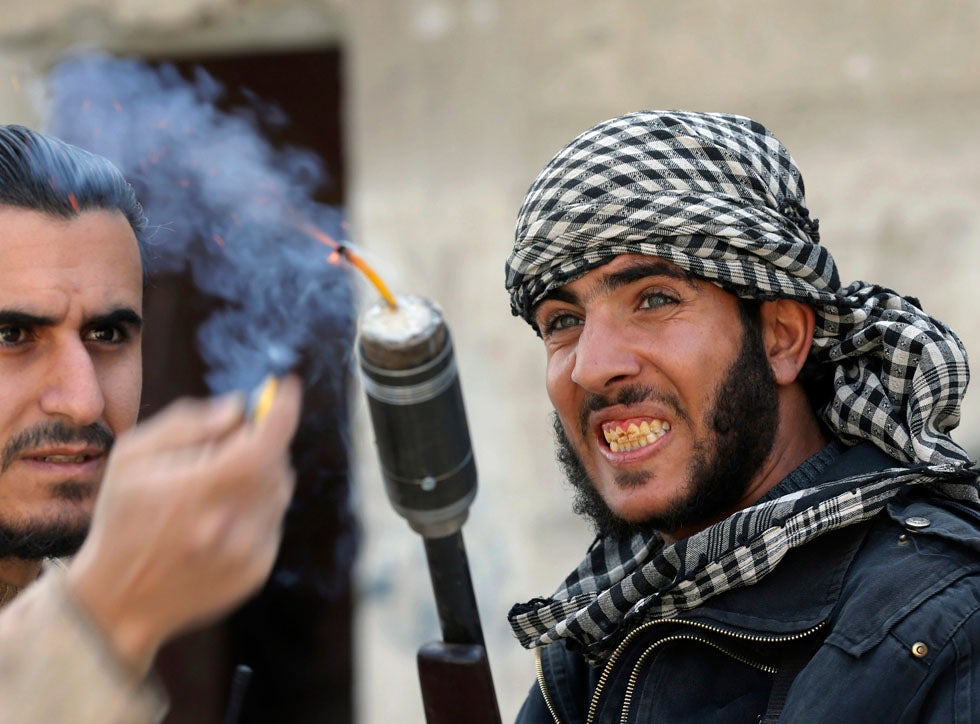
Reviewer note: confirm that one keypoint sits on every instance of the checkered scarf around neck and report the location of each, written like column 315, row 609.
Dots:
column 719, row 196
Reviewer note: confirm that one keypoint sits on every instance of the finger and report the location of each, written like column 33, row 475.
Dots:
column 187, row 422
column 256, row 455
column 256, row 476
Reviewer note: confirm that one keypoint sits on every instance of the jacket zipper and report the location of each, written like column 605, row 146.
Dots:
column 635, row 674
column 539, row 668
column 631, row 682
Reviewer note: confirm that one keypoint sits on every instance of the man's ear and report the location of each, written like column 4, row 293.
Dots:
column 787, row 331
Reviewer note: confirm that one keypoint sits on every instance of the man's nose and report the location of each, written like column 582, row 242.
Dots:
column 605, row 354
column 71, row 388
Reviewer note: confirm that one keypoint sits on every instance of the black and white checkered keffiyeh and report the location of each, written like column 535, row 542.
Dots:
column 622, row 583
column 720, row 196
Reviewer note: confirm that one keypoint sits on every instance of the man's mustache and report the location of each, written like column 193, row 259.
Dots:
column 56, row 433
column 628, row 395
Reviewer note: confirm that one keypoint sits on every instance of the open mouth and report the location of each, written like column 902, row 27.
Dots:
column 63, row 458
column 627, row 435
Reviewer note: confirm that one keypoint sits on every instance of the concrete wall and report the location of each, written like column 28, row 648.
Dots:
column 456, row 104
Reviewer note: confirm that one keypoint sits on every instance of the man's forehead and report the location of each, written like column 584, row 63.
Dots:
column 105, row 228
column 44, row 257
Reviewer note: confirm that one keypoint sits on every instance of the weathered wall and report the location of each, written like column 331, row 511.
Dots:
column 36, row 34
column 454, row 107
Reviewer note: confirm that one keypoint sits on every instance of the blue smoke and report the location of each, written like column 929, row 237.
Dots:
column 223, row 204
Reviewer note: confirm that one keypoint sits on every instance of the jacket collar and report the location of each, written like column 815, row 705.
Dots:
column 793, row 602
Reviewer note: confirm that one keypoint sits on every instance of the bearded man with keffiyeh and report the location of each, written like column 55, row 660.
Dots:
column 786, row 530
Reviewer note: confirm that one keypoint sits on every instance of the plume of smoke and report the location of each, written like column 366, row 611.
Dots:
column 223, row 204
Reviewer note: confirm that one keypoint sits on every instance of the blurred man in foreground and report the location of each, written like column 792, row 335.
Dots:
column 178, row 519
column 786, row 529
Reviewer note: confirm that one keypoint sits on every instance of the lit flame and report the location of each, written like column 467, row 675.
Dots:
column 340, row 251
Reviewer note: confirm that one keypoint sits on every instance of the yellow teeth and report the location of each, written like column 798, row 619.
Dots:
column 635, row 436
column 63, row 458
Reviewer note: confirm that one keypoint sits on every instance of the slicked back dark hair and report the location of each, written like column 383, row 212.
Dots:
column 44, row 173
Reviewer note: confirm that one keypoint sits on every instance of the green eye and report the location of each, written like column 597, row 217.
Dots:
column 564, row 321
column 560, row 321
column 655, row 300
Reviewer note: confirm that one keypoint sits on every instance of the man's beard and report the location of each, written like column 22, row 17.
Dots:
column 743, row 419
column 34, row 540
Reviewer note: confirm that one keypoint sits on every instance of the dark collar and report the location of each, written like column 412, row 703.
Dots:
column 803, row 589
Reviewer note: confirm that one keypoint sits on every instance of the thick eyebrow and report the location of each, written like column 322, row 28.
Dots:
column 122, row 316
column 633, row 273
column 642, row 270
column 13, row 318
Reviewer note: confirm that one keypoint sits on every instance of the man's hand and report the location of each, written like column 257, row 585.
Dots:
column 187, row 522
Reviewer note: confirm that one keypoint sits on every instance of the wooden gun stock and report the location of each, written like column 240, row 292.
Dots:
column 456, row 684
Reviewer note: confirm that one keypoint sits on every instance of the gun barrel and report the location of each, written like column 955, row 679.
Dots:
column 453, row 588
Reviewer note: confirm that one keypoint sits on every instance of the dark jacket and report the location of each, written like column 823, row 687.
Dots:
column 878, row 622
